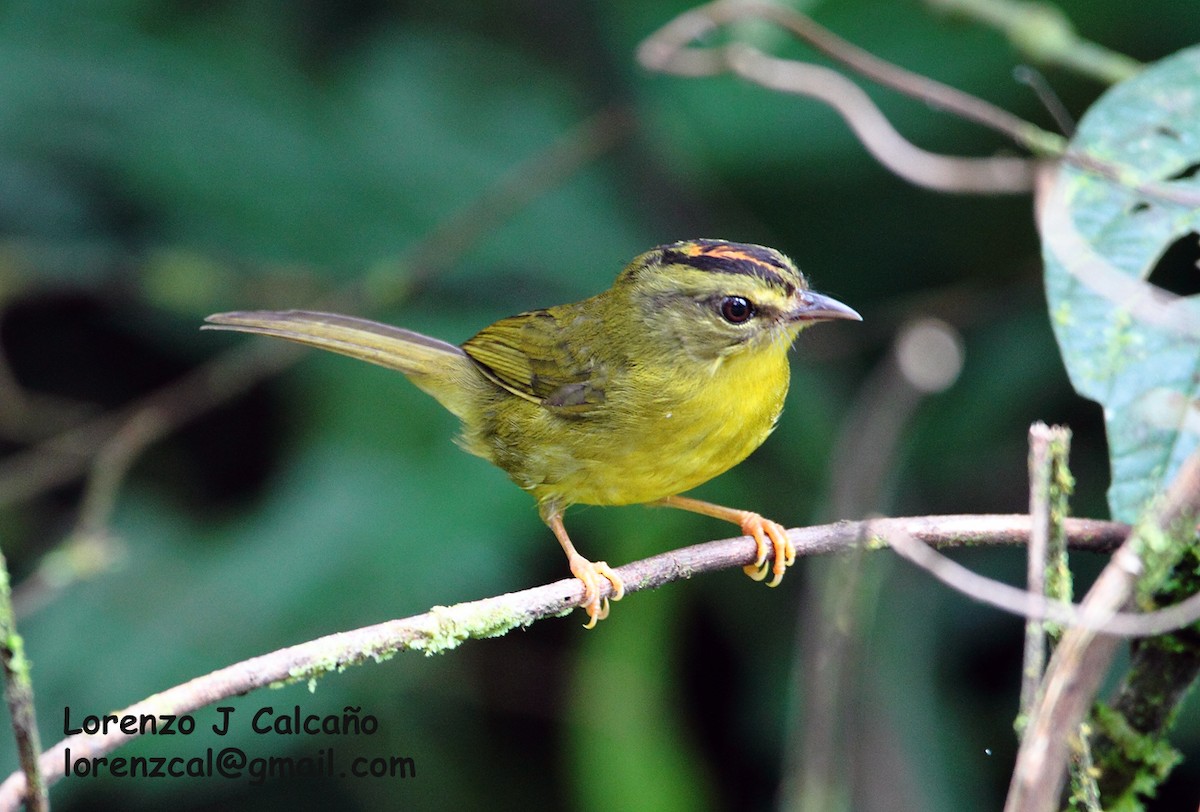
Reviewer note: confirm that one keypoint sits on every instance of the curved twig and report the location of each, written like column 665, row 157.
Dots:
column 1035, row 606
column 671, row 49
column 943, row 173
column 669, row 44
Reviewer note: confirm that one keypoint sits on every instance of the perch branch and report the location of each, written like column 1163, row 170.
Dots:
column 444, row 628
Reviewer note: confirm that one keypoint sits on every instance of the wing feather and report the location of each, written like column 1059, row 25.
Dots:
column 530, row 355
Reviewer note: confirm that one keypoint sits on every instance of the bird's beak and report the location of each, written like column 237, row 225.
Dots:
column 817, row 307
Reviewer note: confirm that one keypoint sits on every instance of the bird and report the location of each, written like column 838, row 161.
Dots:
column 668, row 378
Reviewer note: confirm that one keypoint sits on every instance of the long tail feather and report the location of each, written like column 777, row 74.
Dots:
column 440, row 368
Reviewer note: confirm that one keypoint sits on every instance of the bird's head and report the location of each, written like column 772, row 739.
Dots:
column 713, row 298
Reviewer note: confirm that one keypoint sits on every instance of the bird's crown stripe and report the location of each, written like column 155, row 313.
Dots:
column 735, row 258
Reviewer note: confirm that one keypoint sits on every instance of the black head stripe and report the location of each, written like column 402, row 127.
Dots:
column 715, row 256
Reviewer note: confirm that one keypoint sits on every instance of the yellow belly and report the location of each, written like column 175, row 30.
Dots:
column 685, row 431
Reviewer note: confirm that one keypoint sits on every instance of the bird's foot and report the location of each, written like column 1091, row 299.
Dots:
column 768, row 535
column 591, row 574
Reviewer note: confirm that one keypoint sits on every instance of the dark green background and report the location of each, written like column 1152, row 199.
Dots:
column 163, row 160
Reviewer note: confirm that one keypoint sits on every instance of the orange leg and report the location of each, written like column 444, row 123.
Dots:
column 767, row 535
column 588, row 572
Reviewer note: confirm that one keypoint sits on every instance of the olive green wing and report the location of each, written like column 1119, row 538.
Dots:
column 545, row 356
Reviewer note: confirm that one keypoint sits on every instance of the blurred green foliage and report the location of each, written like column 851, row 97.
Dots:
column 163, row 160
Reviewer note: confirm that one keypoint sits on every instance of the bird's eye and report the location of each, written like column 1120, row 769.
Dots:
column 736, row 310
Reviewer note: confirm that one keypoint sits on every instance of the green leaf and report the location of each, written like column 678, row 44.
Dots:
column 1128, row 344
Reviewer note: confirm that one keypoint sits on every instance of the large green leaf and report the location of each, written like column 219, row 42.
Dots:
column 1128, row 344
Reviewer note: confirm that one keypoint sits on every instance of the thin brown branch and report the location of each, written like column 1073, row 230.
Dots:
column 444, row 628
column 64, row 457
column 1050, row 486
column 1082, row 659
column 667, row 50
column 1053, row 104
column 1172, row 193
column 1034, row 606
column 1038, row 554
column 18, row 694
column 671, row 50
column 89, row 548
column 111, row 465
column 943, row 173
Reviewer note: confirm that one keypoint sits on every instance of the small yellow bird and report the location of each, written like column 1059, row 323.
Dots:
column 660, row 383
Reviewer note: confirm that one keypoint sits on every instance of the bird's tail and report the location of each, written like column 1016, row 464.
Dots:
column 439, row 368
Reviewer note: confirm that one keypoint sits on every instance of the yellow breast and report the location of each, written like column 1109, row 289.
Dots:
column 688, row 426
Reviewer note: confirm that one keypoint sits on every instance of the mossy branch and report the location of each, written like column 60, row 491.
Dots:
column 1130, row 745
column 446, row 627
column 18, row 694
column 1047, row 573
column 1156, row 543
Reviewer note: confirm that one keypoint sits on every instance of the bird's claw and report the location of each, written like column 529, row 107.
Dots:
column 768, row 535
column 590, row 574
